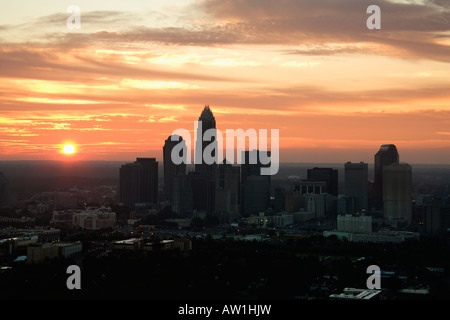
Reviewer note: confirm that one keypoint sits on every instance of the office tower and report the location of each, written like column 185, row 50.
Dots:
column 437, row 218
column 130, row 178
column 256, row 195
column 314, row 203
column 149, row 180
column 345, row 205
column 328, row 175
column 279, row 202
column 357, row 184
column 255, row 188
column 387, row 155
column 227, row 188
column 292, row 201
column 203, row 191
column 171, row 170
column 182, row 196
column 306, row 186
column 202, row 181
column 397, row 192
column 207, row 122
column 139, row 183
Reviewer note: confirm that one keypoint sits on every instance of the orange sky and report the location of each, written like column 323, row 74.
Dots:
column 136, row 71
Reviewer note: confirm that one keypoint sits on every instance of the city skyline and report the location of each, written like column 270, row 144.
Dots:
column 135, row 72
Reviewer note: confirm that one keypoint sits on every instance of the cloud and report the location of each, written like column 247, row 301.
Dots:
column 54, row 64
column 323, row 27
column 409, row 28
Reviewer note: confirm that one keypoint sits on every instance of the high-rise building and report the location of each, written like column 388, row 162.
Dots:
column 307, row 186
column 203, row 179
column 203, row 191
column 207, row 122
column 130, row 180
column 182, row 196
column 139, row 183
column 227, row 188
column 171, row 170
column 397, row 192
column 314, row 203
column 255, row 188
column 149, row 180
column 387, row 155
column 328, row 175
column 256, row 195
column 357, row 184
column 437, row 218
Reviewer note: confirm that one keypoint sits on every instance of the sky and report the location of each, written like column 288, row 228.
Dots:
column 136, row 70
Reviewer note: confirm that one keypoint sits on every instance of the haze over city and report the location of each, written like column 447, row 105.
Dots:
column 135, row 71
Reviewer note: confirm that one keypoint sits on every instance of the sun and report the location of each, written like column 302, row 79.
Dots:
column 69, row 149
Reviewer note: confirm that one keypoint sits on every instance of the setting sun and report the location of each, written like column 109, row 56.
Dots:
column 69, row 149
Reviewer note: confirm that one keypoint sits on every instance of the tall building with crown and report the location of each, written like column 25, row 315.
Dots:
column 202, row 181
column 206, row 122
column 387, row 155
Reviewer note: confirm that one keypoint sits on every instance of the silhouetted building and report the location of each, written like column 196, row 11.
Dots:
column 203, row 191
column 139, row 183
column 255, row 188
column 357, row 184
column 397, row 192
column 328, row 175
column 307, row 186
column 345, row 205
column 207, row 122
column 437, row 218
column 292, row 200
column 182, row 196
column 203, row 179
column 171, row 170
column 227, row 188
column 387, row 155
column 314, row 203
column 279, row 199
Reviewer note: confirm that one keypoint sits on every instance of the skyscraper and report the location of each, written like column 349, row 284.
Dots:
column 149, row 180
column 255, row 188
column 357, row 184
column 207, row 122
column 130, row 181
column 203, row 179
column 397, row 192
column 139, row 183
column 171, row 170
column 387, row 155
column 227, row 189
column 437, row 216
column 328, row 175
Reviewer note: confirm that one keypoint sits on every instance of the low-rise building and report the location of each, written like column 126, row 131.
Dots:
column 357, row 294
column 88, row 219
column 40, row 252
